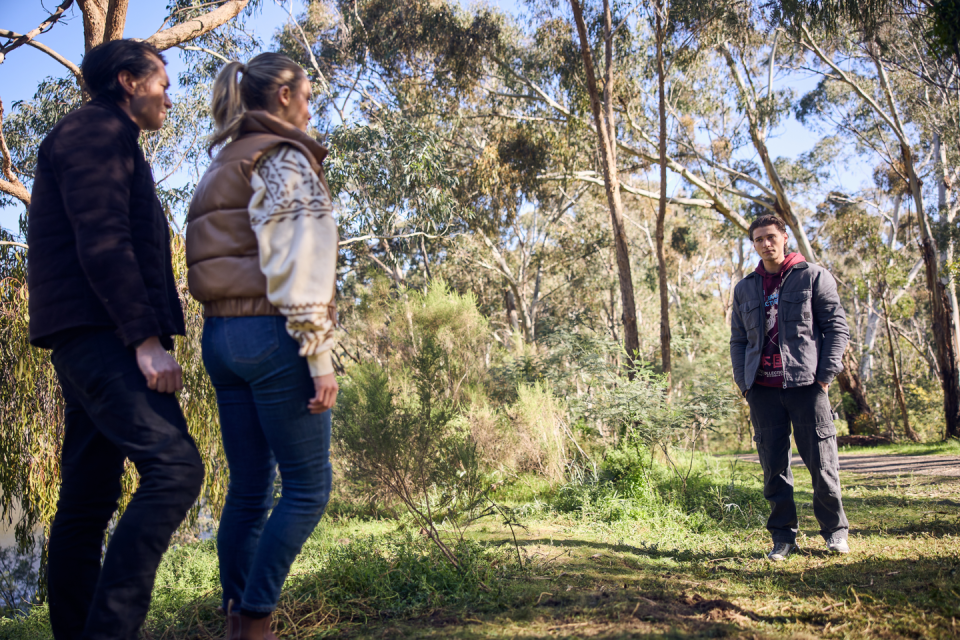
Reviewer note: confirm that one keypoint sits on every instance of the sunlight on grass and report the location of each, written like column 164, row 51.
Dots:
column 649, row 552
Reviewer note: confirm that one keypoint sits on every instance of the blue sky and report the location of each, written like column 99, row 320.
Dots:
column 24, row 67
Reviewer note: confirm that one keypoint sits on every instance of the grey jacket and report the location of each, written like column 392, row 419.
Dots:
column 813, row 327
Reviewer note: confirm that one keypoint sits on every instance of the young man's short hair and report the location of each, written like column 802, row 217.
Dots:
column 766, row 221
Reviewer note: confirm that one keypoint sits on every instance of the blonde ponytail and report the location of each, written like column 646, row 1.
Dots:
column 226, row 104
column 261, row 77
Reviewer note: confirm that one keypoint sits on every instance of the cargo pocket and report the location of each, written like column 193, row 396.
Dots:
column 750, row 313
column 827, row 445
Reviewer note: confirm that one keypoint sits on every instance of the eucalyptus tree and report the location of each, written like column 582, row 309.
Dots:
column 472, row 174
column 605, row 125
column 875, row 94
column 874, row 269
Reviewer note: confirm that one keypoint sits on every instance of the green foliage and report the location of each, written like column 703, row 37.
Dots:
column 539, row 421
column 387, row 169
column 398, row 35
column 31, row 410
column 833, row 15
column 944, row 34
column 404, row 575
column 640, row 409
column 36, row 626
column 397, row 435
column 633, row 485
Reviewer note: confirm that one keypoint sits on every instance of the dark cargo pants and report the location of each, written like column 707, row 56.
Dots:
column 772, row 410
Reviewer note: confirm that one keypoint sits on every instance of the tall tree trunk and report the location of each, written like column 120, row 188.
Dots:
column 661, row 18
column 611, row 180
column 511, row 308
column 947, row 214
column 897, row 384
column 862, row 420
column 943, row 323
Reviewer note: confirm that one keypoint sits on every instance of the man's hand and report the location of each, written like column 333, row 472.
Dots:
column 162, row 372
column 823, row 385
column 327, row 388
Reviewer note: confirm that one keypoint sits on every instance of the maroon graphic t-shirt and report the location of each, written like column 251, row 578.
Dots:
column 770, row 373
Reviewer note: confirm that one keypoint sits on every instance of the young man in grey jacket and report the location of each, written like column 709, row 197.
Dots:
column 788, row 333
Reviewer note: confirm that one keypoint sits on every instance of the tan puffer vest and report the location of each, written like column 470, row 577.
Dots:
column 223, row 260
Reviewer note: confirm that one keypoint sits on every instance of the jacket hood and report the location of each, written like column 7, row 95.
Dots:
column 265, row 122
column 790, row 260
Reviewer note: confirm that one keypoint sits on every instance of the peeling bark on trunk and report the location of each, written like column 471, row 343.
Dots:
column 942, row 328
column 607, row 146
column 947, row 214
column 94, row 22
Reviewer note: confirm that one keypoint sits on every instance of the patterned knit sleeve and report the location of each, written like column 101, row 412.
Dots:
column 291, row 212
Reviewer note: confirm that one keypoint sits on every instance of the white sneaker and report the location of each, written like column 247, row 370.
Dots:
column 780, row 551
column 838, row 546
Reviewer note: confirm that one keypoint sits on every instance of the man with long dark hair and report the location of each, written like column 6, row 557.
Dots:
column 787, row 336
column 104, row 299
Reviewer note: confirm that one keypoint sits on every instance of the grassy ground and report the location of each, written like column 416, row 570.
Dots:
column 939, row 448
column 945, row 448
column 660, row 560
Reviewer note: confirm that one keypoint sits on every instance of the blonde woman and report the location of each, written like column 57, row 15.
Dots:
column 261, row 250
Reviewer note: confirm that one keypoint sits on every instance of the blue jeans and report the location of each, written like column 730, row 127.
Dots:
column 263, row 386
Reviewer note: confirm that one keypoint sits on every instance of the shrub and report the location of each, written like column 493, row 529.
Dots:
column 538, row 420
column 406, row 447
column 403, row 575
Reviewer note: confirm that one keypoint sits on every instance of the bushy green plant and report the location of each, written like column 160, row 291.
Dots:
column 36, row 626
column 375, row 577
column 405, row 446
column 537, row 417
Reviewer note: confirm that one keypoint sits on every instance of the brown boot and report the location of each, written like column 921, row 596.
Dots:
column 259, row 629
column 233, row 623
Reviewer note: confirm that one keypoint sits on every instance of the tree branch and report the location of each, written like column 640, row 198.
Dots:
column 11, row 185
column 592, row 178
column 416, row 234
column 116, row 19
column 190, row 47
column 74, row 69
column 196, row 27
column 810, row 44
column 44, row 26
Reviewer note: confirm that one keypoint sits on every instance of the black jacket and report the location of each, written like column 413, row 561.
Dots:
column 99, row 241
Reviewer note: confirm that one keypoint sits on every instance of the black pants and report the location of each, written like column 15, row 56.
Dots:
column 772, row 410
column 111, row 415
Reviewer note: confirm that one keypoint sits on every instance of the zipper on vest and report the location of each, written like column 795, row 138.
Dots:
column 783, row 367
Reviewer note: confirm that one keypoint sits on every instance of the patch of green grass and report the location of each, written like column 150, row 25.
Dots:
column 943, row 447
column 604, row 558
column 36, row 626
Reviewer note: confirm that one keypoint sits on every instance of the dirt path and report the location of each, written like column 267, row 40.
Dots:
column 947, row 466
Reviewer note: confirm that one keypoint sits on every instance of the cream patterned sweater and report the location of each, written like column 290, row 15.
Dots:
column 291, row 212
